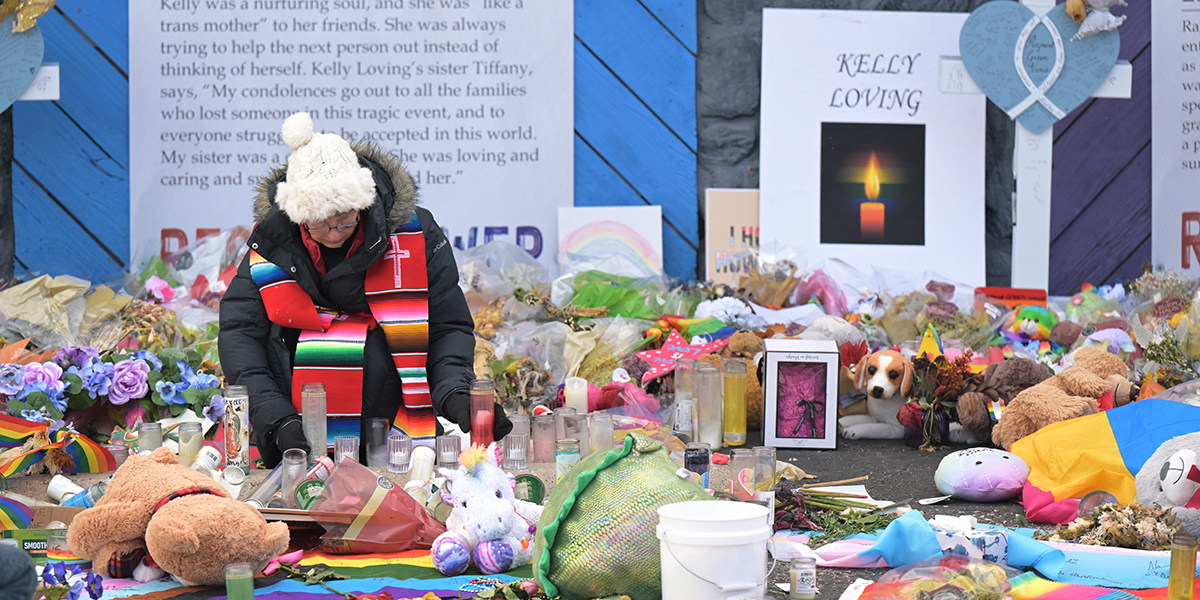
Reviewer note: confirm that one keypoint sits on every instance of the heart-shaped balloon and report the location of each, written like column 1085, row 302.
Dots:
column 20, row 56
column 1029, row 65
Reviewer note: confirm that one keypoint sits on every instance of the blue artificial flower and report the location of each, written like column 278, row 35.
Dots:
column 95, row 586
column 12, row 378
column 195, row 380
column 97, row 377
column 53, row 391
column 171, row 392
column 150, row 358
column 76, row 590
column 36, row 416
column 54, row 573
column 215, row 409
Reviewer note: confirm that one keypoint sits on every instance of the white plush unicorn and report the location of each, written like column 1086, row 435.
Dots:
column 487, row 525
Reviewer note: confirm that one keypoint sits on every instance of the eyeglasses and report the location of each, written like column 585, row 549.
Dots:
column 343, row 228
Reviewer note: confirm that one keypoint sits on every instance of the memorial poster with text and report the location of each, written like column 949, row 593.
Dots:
column 1175, row 134
column 863, row 158
column 474, row 96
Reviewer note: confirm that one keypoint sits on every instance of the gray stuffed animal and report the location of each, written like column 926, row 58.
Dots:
column 1167, row 478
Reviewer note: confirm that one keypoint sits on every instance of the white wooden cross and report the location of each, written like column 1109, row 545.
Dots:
column 1033, row 155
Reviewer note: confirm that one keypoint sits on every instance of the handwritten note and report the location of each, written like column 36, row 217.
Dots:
column 988, row 45
column 22, row 54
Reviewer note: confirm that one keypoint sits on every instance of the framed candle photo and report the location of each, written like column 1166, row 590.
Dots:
column 872, row 183
column 800, row 394
column 866, row 157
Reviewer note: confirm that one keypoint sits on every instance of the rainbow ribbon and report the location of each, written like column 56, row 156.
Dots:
column 89, row 456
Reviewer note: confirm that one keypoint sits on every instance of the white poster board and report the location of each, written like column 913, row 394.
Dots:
column 863, row 159
column 1175, row 135
column 475, row 96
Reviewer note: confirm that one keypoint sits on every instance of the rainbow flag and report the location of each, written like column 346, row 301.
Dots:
column 89, row 456
column 1104, row 451
column 14, row 515
column 14, row 431
column 1028, row 586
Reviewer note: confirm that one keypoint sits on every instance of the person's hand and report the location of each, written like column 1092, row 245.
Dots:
column 458, row 409
column 503, row 425
column 291, row 435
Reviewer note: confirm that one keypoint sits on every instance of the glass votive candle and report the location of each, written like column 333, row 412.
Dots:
column 239, row 581
column 345, row 446
column 399, row 450
column 119, row 452
column 764, row 468
column 601, row 432
column 57, row 550
column 804, row 579
column 377, row 432
column 559, row 414
column 544, row 435
column 191, row 438
column 448, row 449
column 149, row 437
column 516, row 450
column 295, row 466
column 576, row 427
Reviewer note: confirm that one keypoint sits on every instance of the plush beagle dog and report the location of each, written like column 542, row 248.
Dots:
column 885, row 377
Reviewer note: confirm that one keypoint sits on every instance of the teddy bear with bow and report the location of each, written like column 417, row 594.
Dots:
column 1072, row 393
column 159, row 514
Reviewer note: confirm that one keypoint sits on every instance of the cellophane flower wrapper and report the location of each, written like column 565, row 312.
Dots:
column 395, row 521
column 958, row 576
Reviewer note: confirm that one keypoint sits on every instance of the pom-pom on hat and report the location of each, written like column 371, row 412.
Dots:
column 323, row 175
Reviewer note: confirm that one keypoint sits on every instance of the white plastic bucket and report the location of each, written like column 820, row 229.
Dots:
column 713, row 550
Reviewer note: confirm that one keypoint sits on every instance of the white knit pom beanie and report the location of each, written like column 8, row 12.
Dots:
column 323, row 175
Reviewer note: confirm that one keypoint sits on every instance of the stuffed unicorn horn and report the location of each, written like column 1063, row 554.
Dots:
column 487, row 525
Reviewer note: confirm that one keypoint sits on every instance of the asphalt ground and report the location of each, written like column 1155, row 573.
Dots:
column 895, row 473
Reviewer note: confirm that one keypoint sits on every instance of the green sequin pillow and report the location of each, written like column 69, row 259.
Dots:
column 596, row 535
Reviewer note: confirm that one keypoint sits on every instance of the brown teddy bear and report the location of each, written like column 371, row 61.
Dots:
column 176, row 518
column 999, row 383
column 746, row 346
column 1071, row 393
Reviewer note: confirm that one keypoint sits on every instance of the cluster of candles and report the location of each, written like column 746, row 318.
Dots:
column 710, row 401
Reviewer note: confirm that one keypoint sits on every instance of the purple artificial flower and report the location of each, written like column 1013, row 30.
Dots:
column 54, row 573
column 171, row 392
column 75, row 356
column 12, row 378
column 46, row 373
column 95, row 586
column 129, row 381
column 215, row 410
column 149, row 357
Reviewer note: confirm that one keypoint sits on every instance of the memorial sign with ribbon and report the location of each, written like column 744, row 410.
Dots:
column 1028, row 65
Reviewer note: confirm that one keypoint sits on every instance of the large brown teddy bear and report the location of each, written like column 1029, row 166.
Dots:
column 999, row 383
column 1072, row 393
column 182, row 518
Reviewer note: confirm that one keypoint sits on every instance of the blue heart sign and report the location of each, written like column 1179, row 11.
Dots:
column 1029, row 65
column 20, row 57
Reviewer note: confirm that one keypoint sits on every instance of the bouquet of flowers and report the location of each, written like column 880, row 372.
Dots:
column 937, row 384
column 86, row 382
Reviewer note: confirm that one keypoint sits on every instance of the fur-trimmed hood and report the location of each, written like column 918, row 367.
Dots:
column 403, row 188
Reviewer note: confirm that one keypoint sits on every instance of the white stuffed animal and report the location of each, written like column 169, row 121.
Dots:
column 487, row 526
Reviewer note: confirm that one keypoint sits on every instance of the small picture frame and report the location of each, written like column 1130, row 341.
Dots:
column 800, row 393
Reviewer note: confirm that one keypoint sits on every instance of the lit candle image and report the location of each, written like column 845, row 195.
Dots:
column 871, row 212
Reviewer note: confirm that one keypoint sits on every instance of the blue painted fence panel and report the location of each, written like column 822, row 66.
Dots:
column 637, row 109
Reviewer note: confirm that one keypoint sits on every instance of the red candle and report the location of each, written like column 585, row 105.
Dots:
column 483, row 415
column 871, row 220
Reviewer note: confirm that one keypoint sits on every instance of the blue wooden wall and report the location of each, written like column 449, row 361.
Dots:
column 635, row 126
column 1100, row 207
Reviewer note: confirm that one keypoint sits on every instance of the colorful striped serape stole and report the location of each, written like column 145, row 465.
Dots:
column 398, row 293
column 330, row 347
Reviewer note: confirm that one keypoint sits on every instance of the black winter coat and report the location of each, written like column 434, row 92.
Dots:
column 258, row 354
